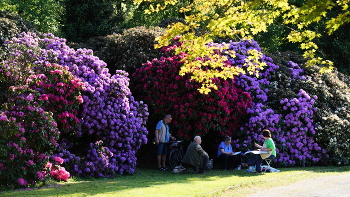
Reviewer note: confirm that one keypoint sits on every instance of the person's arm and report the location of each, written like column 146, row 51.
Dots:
column 257, row 145
column 222, row 150
column 270, row 145
column 200, row 150
column 157, row 136
column 172, row 137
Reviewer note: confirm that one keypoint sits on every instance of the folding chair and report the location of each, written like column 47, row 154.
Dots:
column 268, row 162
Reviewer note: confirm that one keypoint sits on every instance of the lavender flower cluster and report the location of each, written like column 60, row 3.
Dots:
column 290, row 120
column 108, row 116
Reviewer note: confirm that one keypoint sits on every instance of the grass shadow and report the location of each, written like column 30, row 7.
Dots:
column 148, row 177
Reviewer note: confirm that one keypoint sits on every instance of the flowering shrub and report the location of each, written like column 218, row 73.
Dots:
column 11, row 25
column 28, row 136
column 56, row 171
column 108, row 113
column 105, row 112
column 287, row 112
column 331, row 120
column 220, row 111
column 62, row 91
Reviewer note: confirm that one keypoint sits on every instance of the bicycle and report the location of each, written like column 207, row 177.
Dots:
column 176, row 154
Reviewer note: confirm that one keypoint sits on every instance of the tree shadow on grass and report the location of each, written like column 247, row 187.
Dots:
column 145, row 178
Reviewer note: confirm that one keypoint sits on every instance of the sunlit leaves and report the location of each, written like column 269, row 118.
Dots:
column 205, row 20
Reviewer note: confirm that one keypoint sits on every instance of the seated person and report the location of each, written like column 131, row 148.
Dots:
column 196, row 156
column 225, row 155
column 268, row 146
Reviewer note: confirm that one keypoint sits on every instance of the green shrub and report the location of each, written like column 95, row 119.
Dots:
column 129, row 50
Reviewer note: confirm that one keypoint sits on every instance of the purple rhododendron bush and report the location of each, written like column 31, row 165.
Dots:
column 65, row 114
column 289, row 118
column 330, row 120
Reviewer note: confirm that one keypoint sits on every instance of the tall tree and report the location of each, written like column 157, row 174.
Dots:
column 89, row 18
column 46, row 15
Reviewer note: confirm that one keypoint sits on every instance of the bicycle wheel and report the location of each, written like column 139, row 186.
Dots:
column 175, row 158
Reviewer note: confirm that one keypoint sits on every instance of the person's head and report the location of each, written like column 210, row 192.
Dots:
column 266, row 133
column 228, row 140
column 167, row 119
column 198, row 139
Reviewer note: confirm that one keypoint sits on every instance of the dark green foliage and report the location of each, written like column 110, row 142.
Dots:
column 127, row 50
column 139, row 18
column 44, row 15
column 91, row 18
column 336, row 47
column 169, row 21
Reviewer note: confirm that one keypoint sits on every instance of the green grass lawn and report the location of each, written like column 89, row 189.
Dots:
column 150, row 182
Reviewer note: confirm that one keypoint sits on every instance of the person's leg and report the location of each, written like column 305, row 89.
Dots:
column 164, row 153
column 251, row 160
column 159, row 155
column 258, row 163
column 224, row 160
column 272, row 157
column 233, row 162
column 159, row 158
column 205, row 161
column 163, row 160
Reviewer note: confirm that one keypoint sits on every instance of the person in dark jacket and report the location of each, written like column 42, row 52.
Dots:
column 196, row 156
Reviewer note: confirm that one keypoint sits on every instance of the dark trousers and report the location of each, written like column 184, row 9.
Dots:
column 228, row 161
column 205, row 162
column 256, row 160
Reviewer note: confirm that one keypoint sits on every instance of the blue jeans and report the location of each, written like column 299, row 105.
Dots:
column 256, row 160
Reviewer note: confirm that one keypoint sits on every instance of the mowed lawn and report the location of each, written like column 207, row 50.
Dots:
column 149, row 182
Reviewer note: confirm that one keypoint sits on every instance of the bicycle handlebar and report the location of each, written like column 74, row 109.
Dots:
column 176, row 141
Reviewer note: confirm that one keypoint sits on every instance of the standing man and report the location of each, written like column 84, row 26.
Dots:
column 162, row 137
column 196, row 156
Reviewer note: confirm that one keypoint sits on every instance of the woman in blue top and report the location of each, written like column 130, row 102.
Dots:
column 225, row 154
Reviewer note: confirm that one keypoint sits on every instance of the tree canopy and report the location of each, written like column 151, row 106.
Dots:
column 45, row 15
column 210, row 19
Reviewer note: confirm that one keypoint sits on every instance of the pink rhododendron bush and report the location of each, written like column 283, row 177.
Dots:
column 220, row 111
column 64, row 114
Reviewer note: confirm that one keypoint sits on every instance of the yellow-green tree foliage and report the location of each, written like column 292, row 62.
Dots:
column 207, row 19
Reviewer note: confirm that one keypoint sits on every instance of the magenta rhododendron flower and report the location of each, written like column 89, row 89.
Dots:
column 40, row 175
column 30, row 162
column 22, row 182
column 44, row 97
column 58, row 160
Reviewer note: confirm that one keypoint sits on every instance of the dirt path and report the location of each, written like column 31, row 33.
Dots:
column 337, row 186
